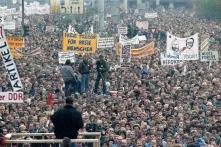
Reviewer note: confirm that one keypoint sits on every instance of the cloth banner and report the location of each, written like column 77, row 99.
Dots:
column 151, row 15
column 107, row 42
column 167, row 59
column 11, row 97
column 15, row 43
column 9, row 62
column 187, row 48
column 142, row 25
column 209, row 56
column 79, row 43
column 125, row 40
column 125, row 56
column 64, row 56
column 144, row 51
column 122, row 30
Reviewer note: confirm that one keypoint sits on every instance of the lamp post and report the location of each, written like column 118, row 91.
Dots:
column 23, row 15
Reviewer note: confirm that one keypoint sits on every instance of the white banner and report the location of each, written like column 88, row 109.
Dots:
column 167, row 59
column 50, row 28
column 9, row 62
column 107, row 42
column 209, row 56
column 11, row 97
column 64, row 56
column 135, row 40
column 122, row 30
column 187, row 48
column 142, row 24
column 151, row 15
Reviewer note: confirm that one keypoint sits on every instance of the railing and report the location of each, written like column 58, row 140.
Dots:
column 14, row 140
column 96, row 142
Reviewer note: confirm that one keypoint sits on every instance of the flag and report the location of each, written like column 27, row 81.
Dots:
column 35, row 52
column 50, row 99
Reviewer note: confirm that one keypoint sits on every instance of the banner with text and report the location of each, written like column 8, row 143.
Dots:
column 79, row 43
column 9, row 62
column 107, row 42
column 167, row 59
column 15, row 43
column 125, row 56
column 209, row 56
column 64, row 56
column 144, row 51
column 187, row 48
column 122, row 30
column 11, row 97
column 151, row 15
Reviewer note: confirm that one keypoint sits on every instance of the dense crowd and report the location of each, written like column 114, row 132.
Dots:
column 147, row 105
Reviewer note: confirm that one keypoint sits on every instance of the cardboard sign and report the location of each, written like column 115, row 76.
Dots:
column 11, row 97
column 79, row 43
column 122, row 30
column 151, row 15
column 64, row 56
column 209, row 56
column 107, row 42
column 167, row 59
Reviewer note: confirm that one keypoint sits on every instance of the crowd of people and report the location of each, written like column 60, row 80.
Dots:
column 146, row 104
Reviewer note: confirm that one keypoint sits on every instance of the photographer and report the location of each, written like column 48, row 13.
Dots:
column 102, row 70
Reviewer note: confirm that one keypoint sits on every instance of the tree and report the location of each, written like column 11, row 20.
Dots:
column 209, row 8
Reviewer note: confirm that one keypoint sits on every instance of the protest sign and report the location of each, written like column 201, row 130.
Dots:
column 125, row 40
column 151, row 15
column 144, row 51
column 15, row 43
column 9, row 62
column 122, row 30
column 209, row 56
column 167, row 59
column 187, row 48
column 79, row 43
column 125, row 56
column 142, row 25
column 64, row 56
column 11, row 97
column 107, row 42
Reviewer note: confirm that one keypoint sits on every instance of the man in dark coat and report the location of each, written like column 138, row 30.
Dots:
column 102, row 70
column 67, row 121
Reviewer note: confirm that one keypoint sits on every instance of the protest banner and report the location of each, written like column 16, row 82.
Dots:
column 64, row 56
column 167, row 59
column 125, row 40
column 9, row 62
column 79, row 43
column 209, row 56
column 142, row 25
column 125, row 55
column 107, row 42
column 144, row 51
column 151, row 15
column 50, row 28
column 15, row 43
column 11, row 97
column 187, row 48
column 122, row 30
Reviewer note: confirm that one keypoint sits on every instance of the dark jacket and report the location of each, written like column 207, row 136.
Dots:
column 67, row 121
column 67, row 73
column 102, row 67
column 84, row 67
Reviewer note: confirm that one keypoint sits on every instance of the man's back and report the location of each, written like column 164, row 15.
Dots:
column 67, row 121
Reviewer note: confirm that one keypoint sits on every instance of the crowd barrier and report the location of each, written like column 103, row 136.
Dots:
column 14, row 139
